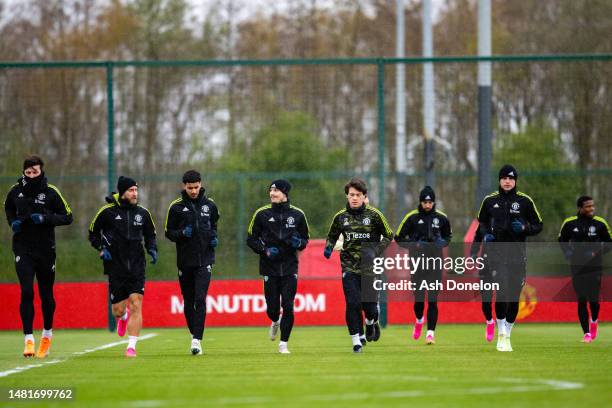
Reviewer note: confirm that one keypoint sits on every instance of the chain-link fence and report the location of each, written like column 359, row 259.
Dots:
column 314, row 122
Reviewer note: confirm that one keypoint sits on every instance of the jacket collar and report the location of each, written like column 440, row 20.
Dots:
column 277, row 207
column 423, row 212
column 355, row 211
column 198, row 199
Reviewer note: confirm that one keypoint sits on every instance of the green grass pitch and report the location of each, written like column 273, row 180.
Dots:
column 550, row 367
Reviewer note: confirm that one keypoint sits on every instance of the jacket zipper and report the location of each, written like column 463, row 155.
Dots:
column 128, row 238
column 281, row 236
column 197, row 223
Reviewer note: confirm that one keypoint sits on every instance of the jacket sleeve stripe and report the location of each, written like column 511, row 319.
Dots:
column 565, row 221
column 532, row 203
column 604, row 223
column 91, row 226
column 388, row 229
column 168, row 212
column 410, row 214
column 66, row 206
column 250, row 229
column 305, row 218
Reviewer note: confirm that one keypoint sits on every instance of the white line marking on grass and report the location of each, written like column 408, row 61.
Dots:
column 27, row 367
column 109, row 345
column 21, row 369
column 527, row 386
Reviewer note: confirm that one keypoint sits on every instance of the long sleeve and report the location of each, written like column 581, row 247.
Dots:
column 304, row 232
column 564, row 238
column 95, row 230
column 534, row 220
column 334, row 232
column 477, row 241
column 254, row 240
column 60, row 213
column 214, row 218
column 386, row 233
column 9, row 208
column 171, row 226
column 404, row 231
column 149, row 232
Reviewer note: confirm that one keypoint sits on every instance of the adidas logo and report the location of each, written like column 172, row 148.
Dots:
column 575, row 229
column 496, row 205
column 511, row 174
column 20, row 195
column 420, row 222
column 271, row 219
column 118, row 217
column 427, row 198
column 185, row 209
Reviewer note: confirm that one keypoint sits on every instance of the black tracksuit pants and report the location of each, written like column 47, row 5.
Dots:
column 194, row 288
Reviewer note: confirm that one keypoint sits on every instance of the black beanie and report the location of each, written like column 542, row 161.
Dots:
column 427, row 194
column 508, row 171
column 282, row 185
column 124, row 184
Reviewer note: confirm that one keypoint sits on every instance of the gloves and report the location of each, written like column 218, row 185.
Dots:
column 440, row 242
column 16, row 225
column 105, row 255
column 420, row 244
column 37, row 218
column 517, row 226
column 153, row 254
column 272, row 252
column 296, row 241
column 187, row 231
column 488, row 238
column 328, row 251
column 568, row 254
column 214, row 242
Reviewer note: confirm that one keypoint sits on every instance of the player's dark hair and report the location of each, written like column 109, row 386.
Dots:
column 582, row 199
column 191, row 176
column 32, row 161
column 358, row 184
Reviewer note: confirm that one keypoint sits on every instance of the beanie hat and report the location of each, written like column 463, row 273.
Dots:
column 508, row 171
column 427, row 194
column 282, row 185
column 124, row 184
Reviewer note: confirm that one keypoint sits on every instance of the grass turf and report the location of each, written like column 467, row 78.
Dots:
column 550, row 367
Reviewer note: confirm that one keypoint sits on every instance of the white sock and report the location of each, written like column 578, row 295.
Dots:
column 369, row 322
column 362, row 336
column 125, row 315
column 355, row 339
column 509, row 327
column 421, row 320
column 282, row 345
column 277, row 323
column 28, row 337
column 501, row 327
column 593, row 321
column 132, row 341
column 47, row 333
column 489, row 321
column 430, row 333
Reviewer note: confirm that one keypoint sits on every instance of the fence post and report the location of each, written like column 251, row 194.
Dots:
column 241, row 225
column 111, row 159
column 381, row 164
